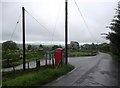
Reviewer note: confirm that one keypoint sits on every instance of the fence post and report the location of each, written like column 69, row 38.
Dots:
column 53, row 62
column 40, row 64
column 28, row 65
column 46, row 61
column 13, row 68
column 36, row 63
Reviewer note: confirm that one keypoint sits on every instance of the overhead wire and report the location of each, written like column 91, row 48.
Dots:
column 56, row 23
column 38, row 22
column 18, row 21
column 84, row 21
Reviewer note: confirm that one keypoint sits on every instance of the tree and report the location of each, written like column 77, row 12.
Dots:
column 9, row 45
column 93, row 47
column 74, row 45
column 104, row 47
column 56, row 46
column 114, row 36
column 9, row 52
column 40, row 47
column 29, row 47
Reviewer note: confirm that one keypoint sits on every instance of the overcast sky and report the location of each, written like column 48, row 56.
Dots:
column 51, row 14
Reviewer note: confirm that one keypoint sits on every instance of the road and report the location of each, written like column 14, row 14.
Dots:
column 98, row 70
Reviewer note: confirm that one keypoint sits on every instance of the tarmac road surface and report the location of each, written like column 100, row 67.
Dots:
column 99, row 70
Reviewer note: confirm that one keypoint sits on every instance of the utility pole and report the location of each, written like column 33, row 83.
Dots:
column 66, row 31
column 23, row 27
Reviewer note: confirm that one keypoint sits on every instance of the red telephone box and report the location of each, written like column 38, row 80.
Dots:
column 58, row 55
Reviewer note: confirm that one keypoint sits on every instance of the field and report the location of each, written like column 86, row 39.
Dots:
column 11, row 58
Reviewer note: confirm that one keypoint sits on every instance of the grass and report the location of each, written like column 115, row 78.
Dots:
column 34, row 77
column 81, row 53
column 115, row 57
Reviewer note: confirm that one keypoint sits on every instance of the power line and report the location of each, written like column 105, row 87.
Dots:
column 15, row 27
column 56, row 22
column 84, row 20
column 38, row 22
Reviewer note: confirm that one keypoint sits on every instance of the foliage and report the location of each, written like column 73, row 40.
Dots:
column 56, row 46
column 73, row 45
column 34, row 77
column 9, row 53
column 104, row 47
column 9, row 45
column 88, row 47
column 40, row 46
column 9, row 57
column 12, row 58
column 114, row 35
column 29, row 47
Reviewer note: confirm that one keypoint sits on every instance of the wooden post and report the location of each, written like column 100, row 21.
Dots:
column 13, row 68
column 53, row 62
column 66, row 31
column 23, row 27
column 28, row 65
column 40, row 64
column 46, row 58
column 36, row 63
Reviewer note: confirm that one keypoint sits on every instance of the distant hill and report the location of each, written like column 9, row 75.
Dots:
column 26, row 45
column 21, row 46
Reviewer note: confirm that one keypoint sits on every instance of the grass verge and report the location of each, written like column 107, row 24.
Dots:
column 115, row 57
column 82, row 53
column 34, row 77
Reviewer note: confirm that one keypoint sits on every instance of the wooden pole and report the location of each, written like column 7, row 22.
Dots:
column 66, row 31
column 23, row 27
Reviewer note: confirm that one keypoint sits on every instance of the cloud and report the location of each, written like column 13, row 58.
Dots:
column 51, row 14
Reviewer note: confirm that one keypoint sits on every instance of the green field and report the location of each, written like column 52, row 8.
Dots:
column 11, row 58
